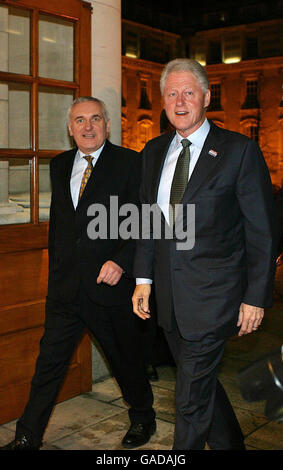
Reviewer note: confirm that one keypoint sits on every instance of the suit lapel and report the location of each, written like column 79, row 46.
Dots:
column 209, row 158
column 66, row 169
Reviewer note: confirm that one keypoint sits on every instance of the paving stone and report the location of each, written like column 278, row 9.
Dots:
column 108, row 434
column 98, row 420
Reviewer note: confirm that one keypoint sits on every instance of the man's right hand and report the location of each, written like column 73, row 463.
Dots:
column 140, row 300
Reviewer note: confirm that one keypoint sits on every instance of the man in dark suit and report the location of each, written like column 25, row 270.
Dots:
column 219, row 281
column 90, row 279
column 279, row 220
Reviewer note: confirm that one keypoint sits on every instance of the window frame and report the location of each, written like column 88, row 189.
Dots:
column 33, row 235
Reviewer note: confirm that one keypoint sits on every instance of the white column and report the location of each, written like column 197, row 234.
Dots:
column 106, row 60
column 106, row 85
column 4, row 53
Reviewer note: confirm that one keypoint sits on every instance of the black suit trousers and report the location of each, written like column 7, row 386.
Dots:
column 116, row 329
column 203, row 411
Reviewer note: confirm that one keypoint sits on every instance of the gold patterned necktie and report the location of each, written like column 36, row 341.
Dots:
column 86, row 174
column 180, row 178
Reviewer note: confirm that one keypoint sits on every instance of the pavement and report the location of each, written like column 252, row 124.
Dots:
column 98, row 420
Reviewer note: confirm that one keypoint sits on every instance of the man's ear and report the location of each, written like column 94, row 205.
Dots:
column 70, row 129
column 207, row 99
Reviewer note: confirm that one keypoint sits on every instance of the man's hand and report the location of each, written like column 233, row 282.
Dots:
column 250, row 318
column 140, row 300
column 110, row 273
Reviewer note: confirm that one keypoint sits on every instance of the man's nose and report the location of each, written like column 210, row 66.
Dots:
column 88, row 124
column 180, row 99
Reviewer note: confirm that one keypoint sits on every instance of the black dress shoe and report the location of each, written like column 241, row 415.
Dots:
column 138, row 434
column 21, row 443
column 151, row 373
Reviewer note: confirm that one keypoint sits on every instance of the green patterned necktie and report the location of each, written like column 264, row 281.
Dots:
column 180, row 178
column 86, row 174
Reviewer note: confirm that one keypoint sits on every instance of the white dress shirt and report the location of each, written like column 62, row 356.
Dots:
column 79, row 167
column 197, row 140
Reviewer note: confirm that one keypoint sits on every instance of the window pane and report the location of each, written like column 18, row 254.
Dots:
column 44, row 189
column 53, row 107
column 14, row 40
column 14, row 191
column 56, row 48
column 215, row 102
column 14, row 115
column 251, row 100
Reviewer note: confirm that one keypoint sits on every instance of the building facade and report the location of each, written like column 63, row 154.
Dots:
column 244, row 62
column 245, row 68
column 145, row 50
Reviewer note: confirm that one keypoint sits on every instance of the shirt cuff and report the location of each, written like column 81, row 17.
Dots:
column 142, row 280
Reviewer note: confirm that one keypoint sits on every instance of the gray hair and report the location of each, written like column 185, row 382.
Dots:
column 185, row 65
column 84, row 99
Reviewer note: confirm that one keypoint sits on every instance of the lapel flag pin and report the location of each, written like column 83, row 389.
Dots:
column 213, row 153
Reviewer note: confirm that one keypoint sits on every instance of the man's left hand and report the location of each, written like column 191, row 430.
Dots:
column 250, row 318
column 110, row 273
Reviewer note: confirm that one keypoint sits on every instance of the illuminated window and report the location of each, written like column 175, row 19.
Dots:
column 199, row 47
column 132, row 49
column 251, row 100
column 144, row 94
column 215, row 102
column 232, row 47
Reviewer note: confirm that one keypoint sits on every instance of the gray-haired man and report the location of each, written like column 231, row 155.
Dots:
column 221, row 284
column 90, row 280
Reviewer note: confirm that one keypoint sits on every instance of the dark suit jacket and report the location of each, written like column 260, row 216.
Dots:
column 279, row 220
column 73, row 256
column 233, row 258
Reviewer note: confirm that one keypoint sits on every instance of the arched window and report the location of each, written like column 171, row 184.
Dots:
column 144, row 132
column 250, row 128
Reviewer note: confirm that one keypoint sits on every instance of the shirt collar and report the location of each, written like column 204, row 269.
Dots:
column 94, row 154
column 198, row 137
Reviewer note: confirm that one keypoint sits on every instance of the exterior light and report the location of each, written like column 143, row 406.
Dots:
column 132, row 55
column 232, row 60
